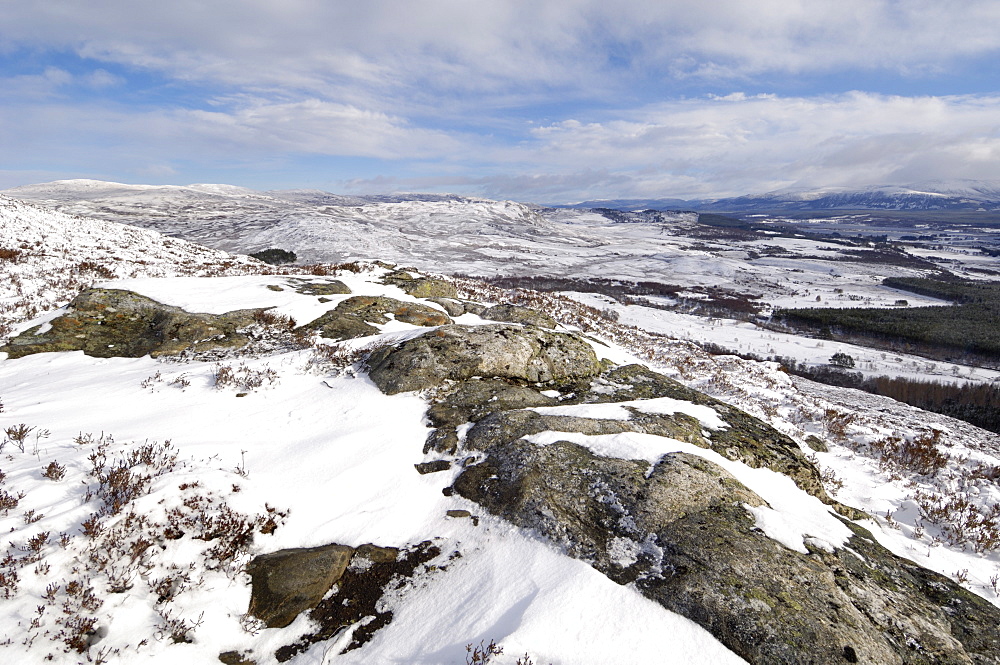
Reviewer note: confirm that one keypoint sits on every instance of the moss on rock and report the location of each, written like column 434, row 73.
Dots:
column 109, row 323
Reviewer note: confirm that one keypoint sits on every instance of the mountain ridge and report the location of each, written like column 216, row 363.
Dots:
column 959, row 194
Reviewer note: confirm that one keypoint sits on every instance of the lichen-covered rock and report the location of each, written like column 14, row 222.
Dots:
column 516, row 314
column 328, row 287
column 474, row 399
column 112, row 323
column 746, row 439
column 494, row 406
column 453, row 307
column 421, row 287
column 459, row 352
column 288, row 582
column 353, row 317
column 473, row 307
column 680, row 534
column 817, row 444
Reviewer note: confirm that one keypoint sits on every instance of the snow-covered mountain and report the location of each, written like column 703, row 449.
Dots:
column 930, row 195
column 933, row 195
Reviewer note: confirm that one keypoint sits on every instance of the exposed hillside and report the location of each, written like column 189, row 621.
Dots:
column 464, row 470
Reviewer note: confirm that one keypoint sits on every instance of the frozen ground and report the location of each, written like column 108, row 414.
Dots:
column 490, row 238
column 745, row 337
column 330, row 459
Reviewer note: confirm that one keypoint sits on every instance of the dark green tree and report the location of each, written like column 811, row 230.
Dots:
column 274, row 256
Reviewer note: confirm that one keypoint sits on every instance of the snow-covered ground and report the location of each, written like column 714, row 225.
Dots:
column 747, row 338
column 489, row 238
column 46, row 257
column 329, row 458
column 337, row 456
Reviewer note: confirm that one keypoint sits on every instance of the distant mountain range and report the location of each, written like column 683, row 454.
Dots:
column 100, row 190
column 933, row 195
column 966, row 195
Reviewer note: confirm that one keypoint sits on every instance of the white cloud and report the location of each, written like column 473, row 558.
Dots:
column 726, row 145
column 460, row 46
column 101, row 78
column 738, row 144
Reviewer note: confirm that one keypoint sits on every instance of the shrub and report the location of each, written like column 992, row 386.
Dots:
column 243, row 378
column 842, row 360
column 18, row 434
column 54, row 471
column 266, row 317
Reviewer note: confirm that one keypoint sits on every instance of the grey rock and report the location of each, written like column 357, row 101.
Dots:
column 432, row 467
column 746, row 439
column 680, row 534
column 453, row 307
column 330, row 287
column 291, row 581
column 236, row 658
column 421, row 287
column 473, row 307
column 516, row 314
column 817, row 444
column 457, row 352
column 113, row 323
column 357, row 599
column 353, row 317
column 474, row 399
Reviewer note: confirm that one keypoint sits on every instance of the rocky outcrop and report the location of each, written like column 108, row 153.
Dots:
column 109, row 323
column 458, row 352
column 516, row 314
column 745, row 439
column 326, row 287
column 681, row 534
column 497, row 408
column 353, row 317
column 421, row 287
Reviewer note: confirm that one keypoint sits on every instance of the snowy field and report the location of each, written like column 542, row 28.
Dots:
column 745, row 337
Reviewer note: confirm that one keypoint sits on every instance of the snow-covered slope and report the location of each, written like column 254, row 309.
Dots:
column 331, row 459
column 489, row 238
column 48, row 256
column 321, row 452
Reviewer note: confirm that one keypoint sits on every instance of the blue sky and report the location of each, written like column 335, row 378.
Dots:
column 553, row 101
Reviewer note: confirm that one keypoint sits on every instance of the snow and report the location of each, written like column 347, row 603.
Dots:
column 619, row 410
column 745, row 337
column 790, row 517
column 337, row 455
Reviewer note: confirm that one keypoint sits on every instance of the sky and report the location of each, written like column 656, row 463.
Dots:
column 552, row 102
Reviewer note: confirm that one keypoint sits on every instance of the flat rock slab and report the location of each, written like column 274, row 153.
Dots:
column 113, row 323
column 332, row 287
column 516, row 314
column 354, row 316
